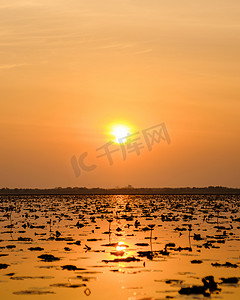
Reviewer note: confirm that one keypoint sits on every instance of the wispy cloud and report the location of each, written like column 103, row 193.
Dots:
column 18, row 4
column 116, row 46
column 144, row 51
column 11, row 66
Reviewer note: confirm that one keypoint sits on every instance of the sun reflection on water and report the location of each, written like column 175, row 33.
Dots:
column 121, row 246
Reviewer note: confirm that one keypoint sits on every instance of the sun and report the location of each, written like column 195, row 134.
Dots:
column 120, row 133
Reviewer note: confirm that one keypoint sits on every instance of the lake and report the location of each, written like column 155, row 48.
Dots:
column 120, row 247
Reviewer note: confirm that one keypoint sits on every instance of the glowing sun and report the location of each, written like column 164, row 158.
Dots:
column 120, row 133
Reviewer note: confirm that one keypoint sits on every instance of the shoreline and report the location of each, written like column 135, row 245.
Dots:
column 122, row 191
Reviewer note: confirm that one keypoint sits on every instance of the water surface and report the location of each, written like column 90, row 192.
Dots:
column 117, row 247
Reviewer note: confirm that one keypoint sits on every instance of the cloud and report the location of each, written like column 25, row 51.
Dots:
column 19, row 4
column 11, row 66
column 144, row 51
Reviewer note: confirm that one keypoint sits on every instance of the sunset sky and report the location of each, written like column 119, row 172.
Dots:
column 69, row 70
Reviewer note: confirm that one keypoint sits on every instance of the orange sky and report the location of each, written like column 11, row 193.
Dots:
column 68, row 69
